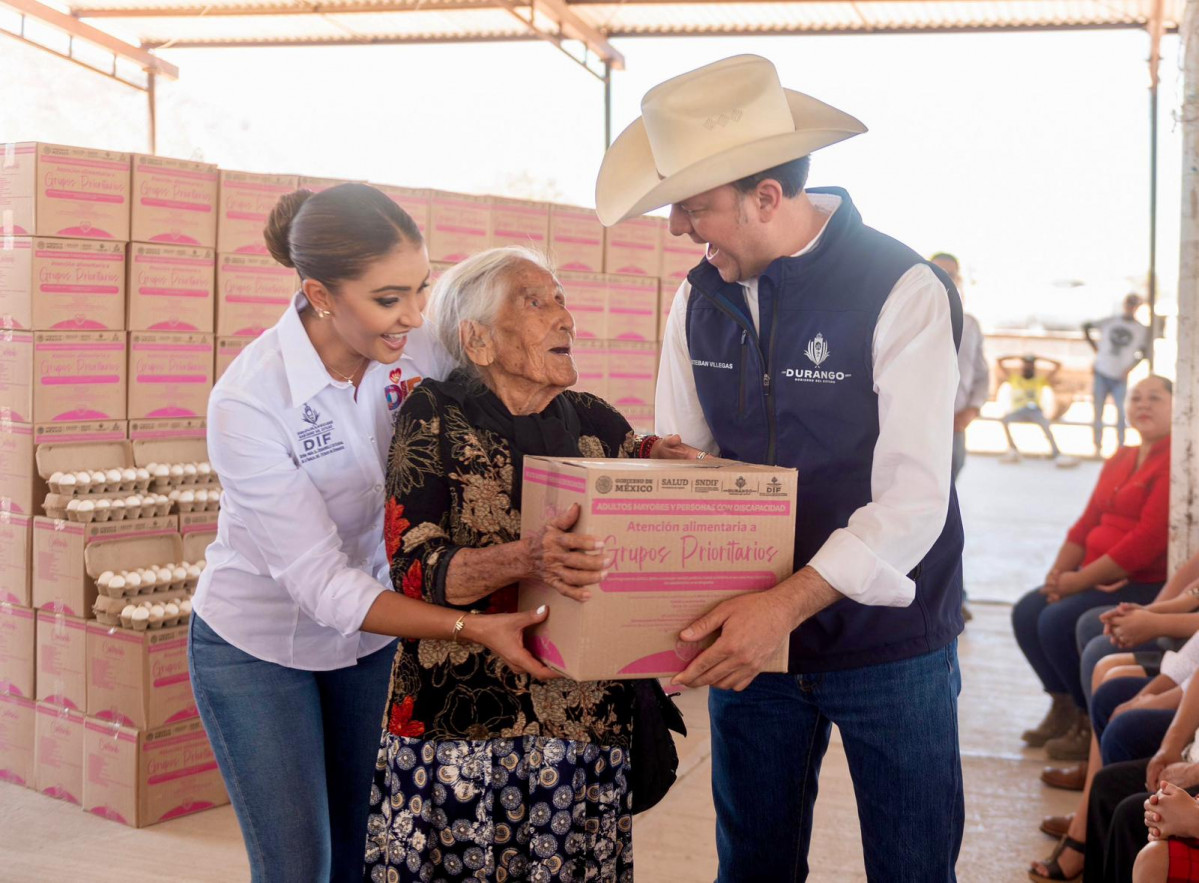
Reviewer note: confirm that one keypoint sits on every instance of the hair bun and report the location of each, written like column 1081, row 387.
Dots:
column 278, row 226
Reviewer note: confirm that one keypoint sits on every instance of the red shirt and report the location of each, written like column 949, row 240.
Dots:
column 1128, row 516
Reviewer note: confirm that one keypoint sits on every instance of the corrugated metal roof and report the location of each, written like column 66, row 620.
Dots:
column 158, row 23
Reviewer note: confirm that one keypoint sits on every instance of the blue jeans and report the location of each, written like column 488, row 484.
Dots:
column 297, row 751
column 899, row 725
column 1093, row 645
column 1046, row 633
column 1134, row 735
column 1102, row 387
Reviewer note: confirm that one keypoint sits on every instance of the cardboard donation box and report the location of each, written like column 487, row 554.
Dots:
column 58, row 753
column 171, row 288
column 415, row 201
column 16, row 739
column 16, row 376
column 16, row 650
column 15, row 571
column 138, row 678
column 634, row 247
column 591, row 361
column 78, row 375
column 228, row 349
column 76, row 192
column 170, row 375
column 140, row 778
column 632, row 308
column 16, row 271
column 587, row 300
column 679, row 256
column 243, row 207
column 459, row 226
column 576, row 239
column 62, row 660
column 520, row 222
column 632, row 367
column 252, row 293
column 684, row 536
column 174, row 201
column 16, row 470
column 76, row 285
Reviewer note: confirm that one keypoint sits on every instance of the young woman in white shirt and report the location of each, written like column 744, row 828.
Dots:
column 292, row 640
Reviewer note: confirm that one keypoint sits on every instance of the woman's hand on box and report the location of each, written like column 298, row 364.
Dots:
column 569, row 563
column 503, row 634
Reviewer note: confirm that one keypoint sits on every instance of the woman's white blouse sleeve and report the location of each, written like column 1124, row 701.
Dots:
column 286, row 517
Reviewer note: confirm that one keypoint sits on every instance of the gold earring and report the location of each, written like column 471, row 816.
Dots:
column 321, row 314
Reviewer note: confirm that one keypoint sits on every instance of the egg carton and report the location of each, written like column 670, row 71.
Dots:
column 108, row 508
column 127, row 480
column 145, row 581
column 195, row 498
column 108, row 610
column 145, row 615
column 168, row 476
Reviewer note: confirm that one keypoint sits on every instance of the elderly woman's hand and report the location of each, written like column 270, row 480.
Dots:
column 567, row 562
column 671, row 447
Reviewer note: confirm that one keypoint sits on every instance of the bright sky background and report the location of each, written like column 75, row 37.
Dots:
column 1025, row 154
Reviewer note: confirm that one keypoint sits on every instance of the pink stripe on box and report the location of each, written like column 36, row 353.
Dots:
column 83, row 380
column 575, row 240
column 642, row 289
column 555, row 479
column 500, row 209
column 16, row 245
column 19, row 151
column 19, row 429
column 81, row 255
column 172, row 348
column 261, row 271
column 86, row 163
column 114, row 716
column 79, row 289
column 186, row 809
column 667, row 662
column 713, row 508
column 460, row 203
column 584, row 308
column 520, row 234
column 91, row 436
column 246, row 216
column 179, row 239
column 106, row 812
column 94, row 727
column 629, row 311
column 81, row 196
column 19, row 613
column 251, row 249
column 58, row 527
column 167, row 646
column 11, row 777
column 454, row 228
column 546, row 650
column 159, row 172
column 171, row 681
column 182, row 774
column 60, row 794
column 7, row 505
column 177, row 204
column 172, row 261
column 172, row 412
column 10, row 689
column 54, row 607
column 638, row 245
column 699, row 581
column 77, row 347
column 273, row 301
column 61, row 702
column 251, row 185
column 173, row 292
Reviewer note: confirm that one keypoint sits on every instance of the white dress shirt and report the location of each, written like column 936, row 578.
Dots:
column 916, row 379
column 299, row 556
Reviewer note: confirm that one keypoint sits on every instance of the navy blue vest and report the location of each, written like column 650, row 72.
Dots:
column 799, row 392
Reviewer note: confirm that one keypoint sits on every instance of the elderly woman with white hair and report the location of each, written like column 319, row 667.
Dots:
column 485, row 772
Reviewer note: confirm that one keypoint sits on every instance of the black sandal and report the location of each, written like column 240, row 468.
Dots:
column 1055, row 874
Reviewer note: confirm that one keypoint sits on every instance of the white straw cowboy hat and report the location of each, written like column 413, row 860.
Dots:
column 710, row 127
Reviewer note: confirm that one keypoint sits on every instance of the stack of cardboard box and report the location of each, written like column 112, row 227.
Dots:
column 106, row 337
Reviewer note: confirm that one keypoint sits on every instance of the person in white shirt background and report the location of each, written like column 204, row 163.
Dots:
column 1123, row 343
column 806, row 339
column 293, row 637
column 974, row 383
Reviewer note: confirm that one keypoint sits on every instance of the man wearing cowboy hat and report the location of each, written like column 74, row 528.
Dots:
column 807, row 339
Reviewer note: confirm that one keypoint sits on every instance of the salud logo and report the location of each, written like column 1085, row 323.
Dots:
column 817, row 350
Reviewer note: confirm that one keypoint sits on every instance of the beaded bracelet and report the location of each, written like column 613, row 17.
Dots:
column 647, row 445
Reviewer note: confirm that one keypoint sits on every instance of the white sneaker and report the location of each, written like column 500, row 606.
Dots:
column 1010, row 457
column 1065, row 462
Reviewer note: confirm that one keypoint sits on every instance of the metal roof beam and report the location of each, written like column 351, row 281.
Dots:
column 283, row 9
column 75, row 28
column 577, row 29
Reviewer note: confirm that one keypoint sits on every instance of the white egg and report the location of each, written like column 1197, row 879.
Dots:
column 140, row 614
column 161, row 470
column 99, row 477
column 103, row 504
column 128, row 474
column 127, row 611
column 83, row 477
column 86, row 506
column 185, row 606
column 187, row 497
column 116, row 583
column 66, row 480
column 179, row 574
column 164, row 575
column 176, row 471
column 134, row 580
column 172, row 609
column 73, row 505
column 189, row 470
column 104, row 578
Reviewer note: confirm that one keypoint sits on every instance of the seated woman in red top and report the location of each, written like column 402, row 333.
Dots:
column 1115, row 552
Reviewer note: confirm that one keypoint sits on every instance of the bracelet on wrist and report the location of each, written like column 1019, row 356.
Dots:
column 461, row 624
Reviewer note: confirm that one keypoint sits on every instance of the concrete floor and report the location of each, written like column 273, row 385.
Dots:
column 1015, row 517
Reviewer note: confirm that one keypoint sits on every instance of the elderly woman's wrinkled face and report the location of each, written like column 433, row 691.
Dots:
column 1149, row 409
column 533, row 332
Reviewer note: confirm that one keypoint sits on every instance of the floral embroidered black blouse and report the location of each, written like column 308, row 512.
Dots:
column 451, row 487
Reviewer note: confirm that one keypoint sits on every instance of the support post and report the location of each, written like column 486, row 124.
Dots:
column 153, row 107
column 1156, row 27
column 1184, row 466
column 607, row 105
